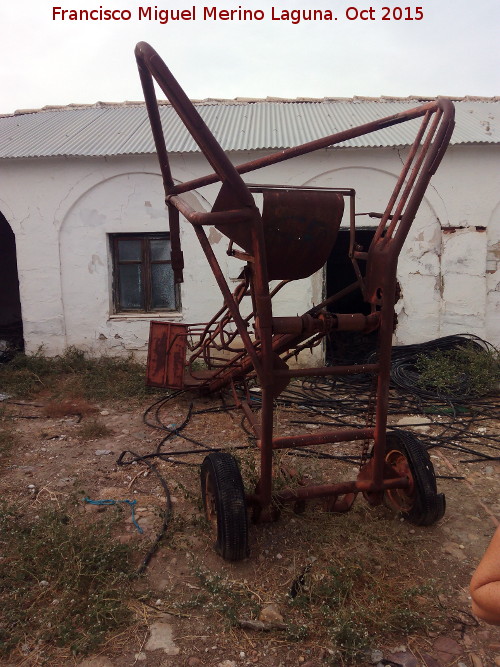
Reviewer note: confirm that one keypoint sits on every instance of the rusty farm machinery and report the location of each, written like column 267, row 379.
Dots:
column 289, row 239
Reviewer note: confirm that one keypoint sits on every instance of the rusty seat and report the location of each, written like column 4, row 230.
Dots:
column 300, row 227
column 300, row 230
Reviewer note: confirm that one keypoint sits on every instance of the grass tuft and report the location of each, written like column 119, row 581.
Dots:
column 7, row 440
column 60, row 586
column 353, row 594
column 468, row 370
column 93, row 430
column 98, row 379
column 221, row 596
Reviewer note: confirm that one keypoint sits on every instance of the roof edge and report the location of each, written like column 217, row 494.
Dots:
column 255, row 100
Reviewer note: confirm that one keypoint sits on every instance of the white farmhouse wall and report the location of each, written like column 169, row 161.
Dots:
column 492, row 325
column 61, row 211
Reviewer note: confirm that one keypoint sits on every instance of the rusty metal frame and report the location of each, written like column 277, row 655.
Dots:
column 264, row 354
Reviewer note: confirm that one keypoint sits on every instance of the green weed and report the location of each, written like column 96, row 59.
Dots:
column 352, row 594
column 297, row 633
column 76, row 373
column 60, row 586
column 465, row 370
column 226, row 597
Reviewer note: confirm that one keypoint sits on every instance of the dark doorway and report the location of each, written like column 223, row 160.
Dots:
column 345, row 346
column 11, row 323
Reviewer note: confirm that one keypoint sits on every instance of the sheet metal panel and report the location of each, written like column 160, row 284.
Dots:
column 166, row 355
column 239, row 126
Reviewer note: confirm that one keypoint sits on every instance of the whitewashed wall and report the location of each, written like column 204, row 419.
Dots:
column 61, row 211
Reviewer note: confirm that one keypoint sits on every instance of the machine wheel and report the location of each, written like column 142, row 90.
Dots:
column 224, row 502
column 420, row 503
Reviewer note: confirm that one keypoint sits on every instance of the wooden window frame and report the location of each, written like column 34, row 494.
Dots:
column 145, row 263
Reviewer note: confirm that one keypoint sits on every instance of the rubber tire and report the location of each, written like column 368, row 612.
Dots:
column 426, row 505
column 223, row 497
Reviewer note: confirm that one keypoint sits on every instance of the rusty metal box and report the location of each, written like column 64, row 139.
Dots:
column 166, row 355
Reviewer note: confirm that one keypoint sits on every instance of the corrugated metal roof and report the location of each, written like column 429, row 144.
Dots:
column 239, row 125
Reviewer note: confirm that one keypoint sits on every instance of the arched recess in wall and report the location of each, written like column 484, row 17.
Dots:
column 492, row 324
column 419, row 271
column 11, row 323
column 128, row 203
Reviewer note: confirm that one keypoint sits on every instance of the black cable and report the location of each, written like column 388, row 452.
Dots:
column 168, row 500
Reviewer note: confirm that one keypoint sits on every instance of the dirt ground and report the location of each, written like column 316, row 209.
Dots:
column 196, row 601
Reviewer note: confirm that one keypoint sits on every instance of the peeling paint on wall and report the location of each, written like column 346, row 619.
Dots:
column 214, row 236
column 449, row 269
column 463, row 266
column 95, row 263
